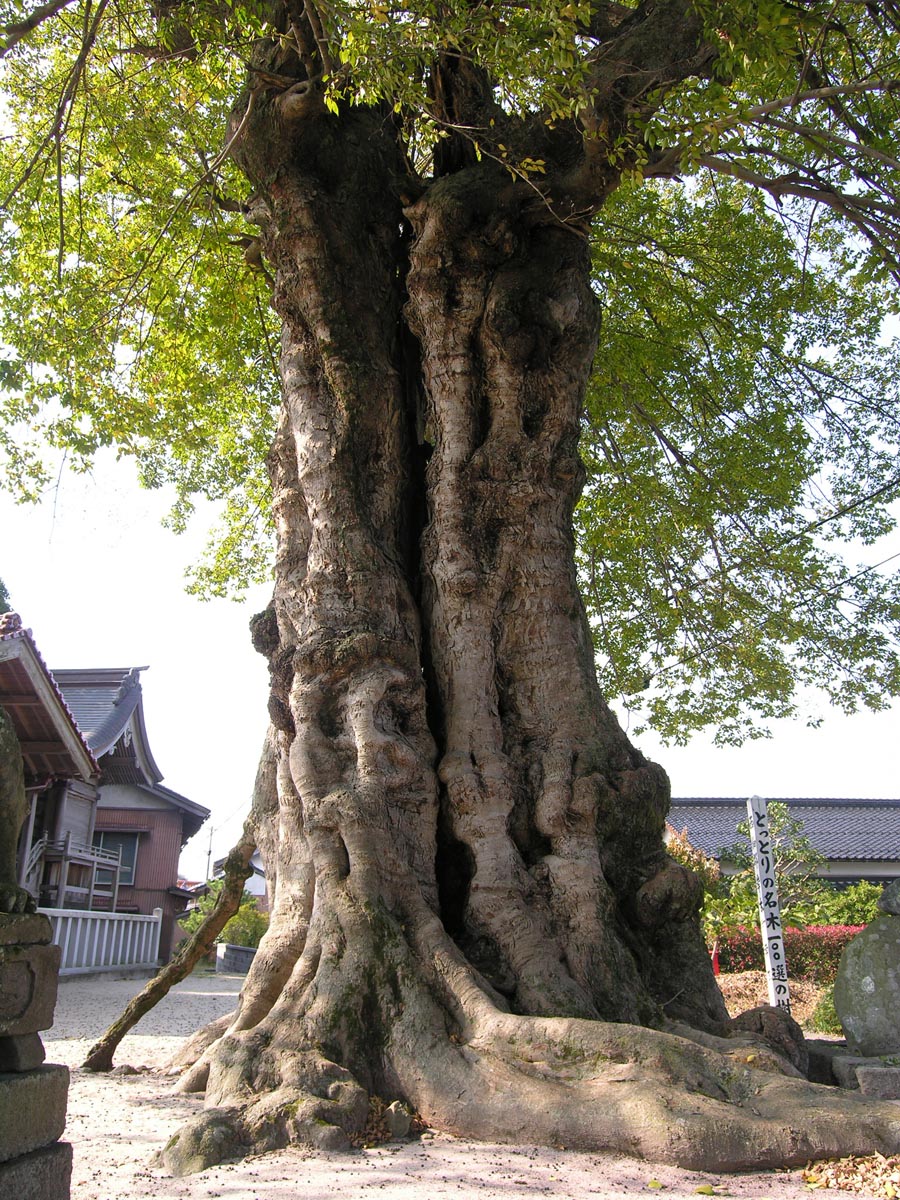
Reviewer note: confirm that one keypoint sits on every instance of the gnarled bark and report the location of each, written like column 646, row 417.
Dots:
column 474, row 912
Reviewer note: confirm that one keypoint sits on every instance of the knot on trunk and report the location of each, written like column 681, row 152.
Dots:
column 674, row 893
column 301, row 102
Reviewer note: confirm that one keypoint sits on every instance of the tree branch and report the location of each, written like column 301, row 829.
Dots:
column 17, row 30
column 851, row 208
column 189, row 953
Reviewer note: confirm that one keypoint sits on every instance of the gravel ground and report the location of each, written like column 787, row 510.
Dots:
column 116, row 1122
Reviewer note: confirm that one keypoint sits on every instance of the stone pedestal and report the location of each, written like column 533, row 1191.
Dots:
column 32, row 1109
column 34, row 1164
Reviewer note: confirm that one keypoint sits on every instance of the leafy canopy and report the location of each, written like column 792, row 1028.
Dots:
column 741, row 425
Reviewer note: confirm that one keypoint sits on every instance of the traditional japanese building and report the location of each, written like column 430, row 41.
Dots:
column 103, row 832
column 137, row 818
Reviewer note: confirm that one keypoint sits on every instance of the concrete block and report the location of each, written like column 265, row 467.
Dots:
column 25, row 929
column 881, row 1082
column 23, row 1053
column 29, row 976
column 42, row 1175
column 234, row 960
column 844, row 1068
column 32, row 1110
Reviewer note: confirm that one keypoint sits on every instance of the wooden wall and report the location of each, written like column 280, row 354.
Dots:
column 159, row 845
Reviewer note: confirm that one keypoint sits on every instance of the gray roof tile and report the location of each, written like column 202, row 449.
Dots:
column 102, row 701
column 864, row 830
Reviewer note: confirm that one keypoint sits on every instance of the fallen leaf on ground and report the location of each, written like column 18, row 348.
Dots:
column 873, row 1175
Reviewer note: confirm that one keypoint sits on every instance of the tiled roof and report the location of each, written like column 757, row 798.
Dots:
column 102, row 701
column 841, row 829
column 106, row 702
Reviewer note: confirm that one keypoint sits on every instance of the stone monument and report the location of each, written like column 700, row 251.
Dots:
column 34, row 1164
column 867, row 987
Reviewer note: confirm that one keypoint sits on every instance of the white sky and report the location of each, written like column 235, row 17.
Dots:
column 101, row 584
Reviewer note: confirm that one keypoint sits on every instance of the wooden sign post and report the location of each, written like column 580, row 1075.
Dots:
column 769, row 908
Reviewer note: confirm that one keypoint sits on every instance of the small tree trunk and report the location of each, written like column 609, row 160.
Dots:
column 236, row 870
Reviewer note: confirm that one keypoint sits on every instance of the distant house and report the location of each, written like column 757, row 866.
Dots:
column 256, row 884
column 102, row 833
column 860, row 839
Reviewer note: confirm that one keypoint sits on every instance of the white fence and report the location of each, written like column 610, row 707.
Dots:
column 99, row 941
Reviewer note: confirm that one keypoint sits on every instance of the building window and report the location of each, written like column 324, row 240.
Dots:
column 111, row 841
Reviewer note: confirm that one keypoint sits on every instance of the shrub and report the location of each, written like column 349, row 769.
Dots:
column 824, row 1018
column 684, row 851
column 245, row 928
column 812, row 953
column 856, row 904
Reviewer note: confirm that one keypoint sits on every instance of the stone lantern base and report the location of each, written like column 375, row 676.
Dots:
column 34, row 1164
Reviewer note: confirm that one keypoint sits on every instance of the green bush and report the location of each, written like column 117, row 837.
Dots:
column 679, row 847
column 824, row 1018
column 816, row 904
column 245, row 928
column 853, row 905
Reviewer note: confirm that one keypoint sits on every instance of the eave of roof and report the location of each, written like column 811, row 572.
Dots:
column 194, row 814
column 182, row 802
column 177, row 890
column 52, row 744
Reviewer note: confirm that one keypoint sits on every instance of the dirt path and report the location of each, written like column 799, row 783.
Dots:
column 116, row 1122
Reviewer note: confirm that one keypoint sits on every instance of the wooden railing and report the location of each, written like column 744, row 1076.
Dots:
column 48, row 871
column 77, row 851
column 99, row 941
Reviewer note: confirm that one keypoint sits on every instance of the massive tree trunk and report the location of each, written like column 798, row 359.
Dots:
column 474, row 911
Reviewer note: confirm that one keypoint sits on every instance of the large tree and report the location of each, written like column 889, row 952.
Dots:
column 474, row 909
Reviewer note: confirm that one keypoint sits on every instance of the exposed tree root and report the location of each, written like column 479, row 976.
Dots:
column 642, row 1093
column 444, row 1047
column 563, row 1082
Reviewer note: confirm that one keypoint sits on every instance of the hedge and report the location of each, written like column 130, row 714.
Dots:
column 812, row 953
